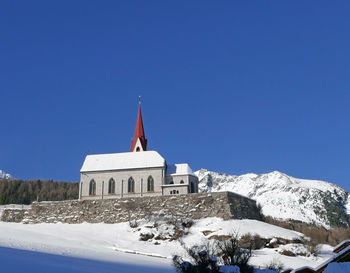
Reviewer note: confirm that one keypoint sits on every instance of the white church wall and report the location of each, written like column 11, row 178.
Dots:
column 121, row 183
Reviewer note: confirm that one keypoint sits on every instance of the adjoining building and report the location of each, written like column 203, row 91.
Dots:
column 136, row 173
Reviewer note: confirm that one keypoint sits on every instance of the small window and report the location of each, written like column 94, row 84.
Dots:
column 171, row 182
column 131, row 185
column 111, row 186
column 137, row 149
column 92, row 187
column 150, row 183
column 177, row 192
column 182, row 182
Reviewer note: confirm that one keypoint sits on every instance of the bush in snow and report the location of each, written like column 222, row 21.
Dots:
column 203, row 262
column 275, row 265
column 313, row 248
column 256, row 240
column 231, row 253
column 234, row 252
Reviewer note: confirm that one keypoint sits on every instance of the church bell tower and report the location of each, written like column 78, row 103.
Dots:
column 139, row 142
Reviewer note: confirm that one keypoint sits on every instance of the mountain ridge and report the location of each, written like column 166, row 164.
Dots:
column 285, row 197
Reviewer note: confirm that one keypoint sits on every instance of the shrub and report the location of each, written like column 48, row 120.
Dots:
column 203, row 261
column 255, row 240
column 275, row 265
column 313, row 248
column 231, row 252
column 234, row 252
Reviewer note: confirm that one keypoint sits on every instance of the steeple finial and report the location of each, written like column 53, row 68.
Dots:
column 139, row 100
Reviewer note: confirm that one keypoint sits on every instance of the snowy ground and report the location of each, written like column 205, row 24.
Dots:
column 19, row 261
column 105, row 244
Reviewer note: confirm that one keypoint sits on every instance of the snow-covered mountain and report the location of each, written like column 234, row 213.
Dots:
column 5, row 175
column 285, row 197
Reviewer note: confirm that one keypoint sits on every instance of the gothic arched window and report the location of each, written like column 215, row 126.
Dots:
column 111, row 186
column 131, row 185
column 92, row 187
column 182, row 182
column 150, row 183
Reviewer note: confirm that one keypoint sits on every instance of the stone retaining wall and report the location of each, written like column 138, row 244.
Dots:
column 226, row 205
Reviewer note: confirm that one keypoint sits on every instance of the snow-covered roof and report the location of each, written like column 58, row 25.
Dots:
column 120, row 161
column 178, row 169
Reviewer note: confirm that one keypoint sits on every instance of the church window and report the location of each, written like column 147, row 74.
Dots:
column 150, row 183
column 111, row 186
column 137, row 149
column 131, row 185
column 171, row 182
column 182, row 182
column 92, row 187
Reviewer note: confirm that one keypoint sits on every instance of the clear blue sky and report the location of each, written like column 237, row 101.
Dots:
column 231, row 86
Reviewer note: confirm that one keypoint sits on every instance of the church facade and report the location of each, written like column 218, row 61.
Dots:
column 136, row 173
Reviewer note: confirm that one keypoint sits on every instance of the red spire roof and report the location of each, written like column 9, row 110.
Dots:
column 139, row 133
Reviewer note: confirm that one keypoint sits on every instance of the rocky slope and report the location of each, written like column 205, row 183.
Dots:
column 285, row 197
column 4, row 175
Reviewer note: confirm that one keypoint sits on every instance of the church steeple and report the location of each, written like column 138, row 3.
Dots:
column 139, row 142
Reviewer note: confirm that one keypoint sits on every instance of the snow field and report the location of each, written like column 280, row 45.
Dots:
column 115, row 242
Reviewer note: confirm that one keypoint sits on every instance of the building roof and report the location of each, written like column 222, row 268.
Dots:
column 178, row 169
column 120, row 161
column 139, row 133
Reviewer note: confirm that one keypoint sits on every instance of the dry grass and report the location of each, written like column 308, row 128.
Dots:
column 318, row 235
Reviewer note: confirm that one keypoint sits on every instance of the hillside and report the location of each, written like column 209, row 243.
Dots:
column 15, row 191
column 157, row 238
column 285, row 197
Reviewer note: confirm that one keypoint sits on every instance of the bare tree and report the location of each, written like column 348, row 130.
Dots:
column 233, row 252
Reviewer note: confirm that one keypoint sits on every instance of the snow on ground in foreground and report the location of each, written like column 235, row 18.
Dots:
column 90, row 241
column 19, row 261
column 108, row 242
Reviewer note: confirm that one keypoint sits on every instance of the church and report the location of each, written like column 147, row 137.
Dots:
column 136, row 173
